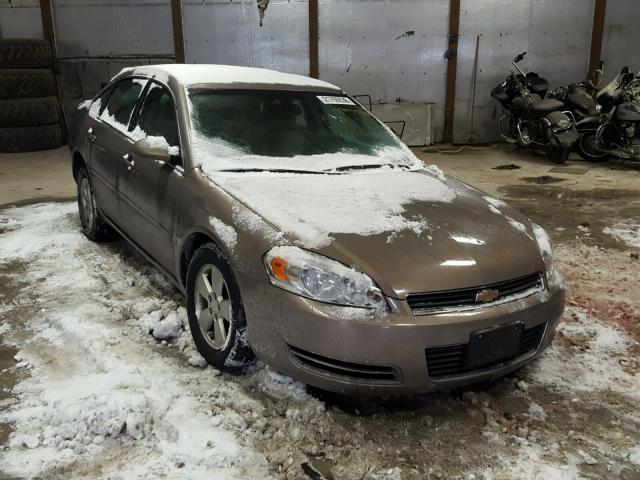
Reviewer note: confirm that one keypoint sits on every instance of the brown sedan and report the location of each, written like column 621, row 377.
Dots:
column 304, row 233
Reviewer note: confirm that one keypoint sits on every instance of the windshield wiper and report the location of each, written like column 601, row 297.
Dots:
column 274, row 170
column 363, row 167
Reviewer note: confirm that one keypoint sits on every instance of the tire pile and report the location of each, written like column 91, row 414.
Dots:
column 30, row 115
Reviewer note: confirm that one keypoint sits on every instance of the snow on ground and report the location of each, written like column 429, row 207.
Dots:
column 626, row 231
column 108, row 385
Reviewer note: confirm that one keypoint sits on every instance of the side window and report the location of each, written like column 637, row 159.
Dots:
column 121, row 103
column 157, row 116
column 99, row 103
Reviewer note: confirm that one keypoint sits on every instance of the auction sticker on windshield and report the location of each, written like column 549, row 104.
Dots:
column 332, row 100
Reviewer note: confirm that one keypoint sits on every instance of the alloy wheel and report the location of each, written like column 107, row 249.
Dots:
column 213, row 307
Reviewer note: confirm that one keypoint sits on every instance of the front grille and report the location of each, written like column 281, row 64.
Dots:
column 349, row 370
column 465, row 298
column 449, row 361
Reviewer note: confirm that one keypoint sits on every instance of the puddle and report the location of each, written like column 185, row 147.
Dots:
column 510, row 166
column 543, row 179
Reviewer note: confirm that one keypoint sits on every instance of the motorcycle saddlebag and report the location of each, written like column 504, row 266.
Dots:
column 561, row 131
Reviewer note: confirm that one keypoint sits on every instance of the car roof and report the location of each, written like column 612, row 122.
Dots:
column 224, row 76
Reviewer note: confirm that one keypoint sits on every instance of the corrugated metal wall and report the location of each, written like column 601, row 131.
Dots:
column 389, row 49
column 229, row 33
column 556, row 35
column 621, row 38
column 20, row 19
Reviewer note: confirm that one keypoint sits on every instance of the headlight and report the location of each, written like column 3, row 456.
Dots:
column 546, row 250
column 320, row 278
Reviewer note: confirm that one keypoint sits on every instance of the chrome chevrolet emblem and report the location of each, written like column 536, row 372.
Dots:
column 487, row 295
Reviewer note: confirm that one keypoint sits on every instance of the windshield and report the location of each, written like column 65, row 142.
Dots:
column 289, row 130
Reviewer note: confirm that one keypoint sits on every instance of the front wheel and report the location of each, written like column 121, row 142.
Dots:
column 215, row 311
column 557, row 154
column 587, row 148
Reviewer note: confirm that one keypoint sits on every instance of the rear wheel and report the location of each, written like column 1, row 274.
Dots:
column 215, row 311
column 93, row 223
column 587, row 148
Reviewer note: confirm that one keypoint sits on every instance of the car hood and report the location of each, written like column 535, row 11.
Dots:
column 411, row 231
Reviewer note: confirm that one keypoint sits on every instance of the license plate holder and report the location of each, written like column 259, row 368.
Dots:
column 494, row 345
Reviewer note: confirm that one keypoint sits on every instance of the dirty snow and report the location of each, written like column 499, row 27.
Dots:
column 363, row 203
column 100, row 397
column 626, row 232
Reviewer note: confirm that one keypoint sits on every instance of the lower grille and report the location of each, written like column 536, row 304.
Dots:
column 466, row 298
column 450, row 360
column 352, row 371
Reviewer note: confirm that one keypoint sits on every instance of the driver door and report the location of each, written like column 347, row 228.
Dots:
column 149, row 187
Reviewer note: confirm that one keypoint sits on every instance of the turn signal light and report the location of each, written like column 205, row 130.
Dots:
column 279, row 268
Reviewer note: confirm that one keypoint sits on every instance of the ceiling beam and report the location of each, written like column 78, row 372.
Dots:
column 452, row 65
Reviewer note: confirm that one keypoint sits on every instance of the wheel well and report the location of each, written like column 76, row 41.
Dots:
column 195, row 241
column 78, row 162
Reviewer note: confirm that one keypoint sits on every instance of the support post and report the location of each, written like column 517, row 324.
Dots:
column 313, row 38
column 49, row 33
column 178, row 30
column 597, row 29
column 452, row 64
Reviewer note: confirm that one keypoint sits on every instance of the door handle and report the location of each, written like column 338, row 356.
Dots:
column 90, row 135
column 130, row 161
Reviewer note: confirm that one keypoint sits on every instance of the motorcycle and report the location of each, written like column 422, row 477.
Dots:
column 531, row 120
column 615, row 130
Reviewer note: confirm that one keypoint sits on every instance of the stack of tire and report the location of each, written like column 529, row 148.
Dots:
column 30, row 115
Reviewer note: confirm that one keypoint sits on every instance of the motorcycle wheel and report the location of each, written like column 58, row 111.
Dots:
column 587, row 148
column 557, row 154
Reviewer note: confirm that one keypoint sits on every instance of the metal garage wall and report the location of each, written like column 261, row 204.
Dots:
column 229, row 33
column 621, row 37
column 388, row 49
column 556, row 35
column 20, row 19
column 96, row 39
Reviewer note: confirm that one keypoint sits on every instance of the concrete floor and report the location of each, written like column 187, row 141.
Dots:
column 35, row 177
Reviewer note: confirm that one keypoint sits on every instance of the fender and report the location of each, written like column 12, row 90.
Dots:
column 591, row 122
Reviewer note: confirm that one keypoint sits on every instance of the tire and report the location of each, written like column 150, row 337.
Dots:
column 94, row 226
column 29, row 139
column 27, row 83
column 25, row 112
column 231, row 352
column 25, row 53
column 588, row 150
column 558, row 154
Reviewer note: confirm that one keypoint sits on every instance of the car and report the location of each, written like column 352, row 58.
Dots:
column 305, row 234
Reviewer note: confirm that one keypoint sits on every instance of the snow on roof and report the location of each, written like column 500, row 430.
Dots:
column 227, row 75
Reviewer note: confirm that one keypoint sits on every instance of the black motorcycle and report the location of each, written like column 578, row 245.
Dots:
column 615, row 128
column 580, row 103
column 532, row 121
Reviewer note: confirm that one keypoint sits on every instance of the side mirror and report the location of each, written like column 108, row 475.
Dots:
column 156, row 148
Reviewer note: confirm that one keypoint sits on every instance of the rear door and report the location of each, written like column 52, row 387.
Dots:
column 110, row 140
column 150, row 188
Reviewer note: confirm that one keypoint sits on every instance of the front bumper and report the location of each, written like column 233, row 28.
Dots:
column 348, row 351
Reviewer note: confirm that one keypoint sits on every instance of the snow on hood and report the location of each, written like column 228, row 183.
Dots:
column 311, row 208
